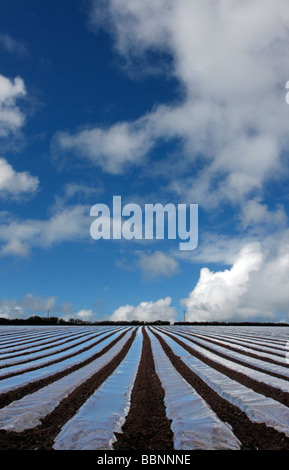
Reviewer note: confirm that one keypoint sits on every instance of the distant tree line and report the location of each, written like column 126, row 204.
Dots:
column 37, row 320
column 253, row 323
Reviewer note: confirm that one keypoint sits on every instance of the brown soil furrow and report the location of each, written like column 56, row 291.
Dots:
column 42, row 436
column 20, row 392
column 253, row 436
column 146, row 426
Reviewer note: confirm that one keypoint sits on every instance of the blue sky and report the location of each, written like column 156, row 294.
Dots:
column 158, row 102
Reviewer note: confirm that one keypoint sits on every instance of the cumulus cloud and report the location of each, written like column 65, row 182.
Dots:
column 146, row 311
column 113, row 149
column 254, row 213
column 158, row 264
column 37, row 305
column 217, row 294
column 269, row 290
column 255, row 287
column 29, row 305
column 231, row 59
column 86, row 315
column 13, row 183
column 11, row 117
column 69, row 223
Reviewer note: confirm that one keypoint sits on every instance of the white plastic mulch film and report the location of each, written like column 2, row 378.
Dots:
column 194, row 424
column 43, row 349
column 45, row 371
column 248, row 361
column 36, row 360
column 28, row 411
column 266, row 348
column 258, row 408
column 103, row 414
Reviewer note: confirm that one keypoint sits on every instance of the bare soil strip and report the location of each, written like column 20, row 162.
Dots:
column 20, row 392
column 42, row 437
column 253, row 436
column 147, row 426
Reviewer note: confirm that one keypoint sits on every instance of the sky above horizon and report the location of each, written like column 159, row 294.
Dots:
column 162, row 101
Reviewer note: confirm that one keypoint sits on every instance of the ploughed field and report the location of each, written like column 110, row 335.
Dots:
column 144, row 388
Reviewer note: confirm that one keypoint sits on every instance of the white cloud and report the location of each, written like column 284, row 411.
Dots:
column 255, row 213
column 15, row 247
column 13, row 46
column 216, row 249
column 35, row 305
column 81, row 190
column 85, row 315
column 255, row 287
column 231, row 59
column 11, row 118
column 69, row 223
column 29, row 305
column 13, row 183
column 112, row 149
column 269, row 290
column 158, row 264
column 216, row 296
column 146, row 311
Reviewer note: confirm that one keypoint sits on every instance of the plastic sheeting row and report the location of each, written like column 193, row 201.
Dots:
column 264, row 351
column 273, row 335
column 50, row 347
column 25, row 378
column 94, row 426
column 264, row 377
column 15, row 341
column 257, row 407
column 194, row 424
column 28, row 411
